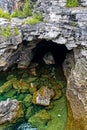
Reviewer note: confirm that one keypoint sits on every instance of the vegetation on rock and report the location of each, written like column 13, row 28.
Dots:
column 34, row 19
column 4, row 14
column 16, row 31
column 40, row 119
column 6, row 32
column 74, row 24
column 26, row 11
column 72, row 3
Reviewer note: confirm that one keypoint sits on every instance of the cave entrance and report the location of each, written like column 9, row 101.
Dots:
column 56, row 53
column 44, row 47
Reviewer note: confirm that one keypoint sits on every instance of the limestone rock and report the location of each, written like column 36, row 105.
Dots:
column 76, row 85
column 63, row 26
column 11, row 5
column 27, row 126
column 83, row 3
column 43, row 96
column 48, row 58
column 10, row 111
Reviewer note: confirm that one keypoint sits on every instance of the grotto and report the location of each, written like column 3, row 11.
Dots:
column 58, row 51
column 43, row 65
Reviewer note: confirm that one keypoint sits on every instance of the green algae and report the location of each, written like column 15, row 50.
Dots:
column 40, row 119
column 7, row 86
column 10, row 93
column 27, row 100
column 72, row 3
column 29, row 112
column 58, row 115
column 21, row 85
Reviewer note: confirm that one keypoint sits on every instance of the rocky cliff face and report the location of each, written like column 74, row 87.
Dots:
column 11, row 5
column 61, row 25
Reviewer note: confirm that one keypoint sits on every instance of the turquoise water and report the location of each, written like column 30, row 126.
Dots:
column 51, row 76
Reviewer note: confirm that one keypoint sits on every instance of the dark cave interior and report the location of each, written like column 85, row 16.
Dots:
column 58, row 51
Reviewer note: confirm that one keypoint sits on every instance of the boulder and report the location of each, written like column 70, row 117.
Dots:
column 11, row 5
column 43, row 96
column 10, row 112
column 48, row 58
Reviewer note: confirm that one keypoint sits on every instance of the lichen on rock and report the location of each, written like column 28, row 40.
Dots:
column 10, row 112
column 43, row 96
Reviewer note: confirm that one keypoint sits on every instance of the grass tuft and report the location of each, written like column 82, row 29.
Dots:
column 72, row 3
column 34, row 19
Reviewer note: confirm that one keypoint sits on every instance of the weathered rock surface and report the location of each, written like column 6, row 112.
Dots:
column 63, row 26
column 10, row 112
column 48, row 58
column 11, row 5
column 43, row 96
column 75, row 69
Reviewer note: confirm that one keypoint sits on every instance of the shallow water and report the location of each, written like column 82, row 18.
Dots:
column 51, row 76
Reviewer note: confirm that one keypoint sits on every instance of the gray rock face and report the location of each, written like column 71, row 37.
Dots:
column 83, row 2
column 10, row 5
column 63, row 25
column 75, row 70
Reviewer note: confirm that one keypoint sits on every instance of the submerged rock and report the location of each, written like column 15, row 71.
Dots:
column 10, row 112
column 29, row 112
column 26, row 126
column 32, row 87
column 7, row 85
column 40, row 119
column 27, row 100
column 43, row 96
column 20, row 85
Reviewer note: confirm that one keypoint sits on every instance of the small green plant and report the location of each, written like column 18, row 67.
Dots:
column 72, row 3
column 16, row 31
column 74, row 24
column 16, row 13
column 27, row 11
column 4, row 14
column 6, row 32
column 34, row 19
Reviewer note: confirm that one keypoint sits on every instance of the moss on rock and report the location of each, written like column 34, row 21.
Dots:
column 40, row 119
column 72, row 3
column 21, row 86
column 27, row 100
